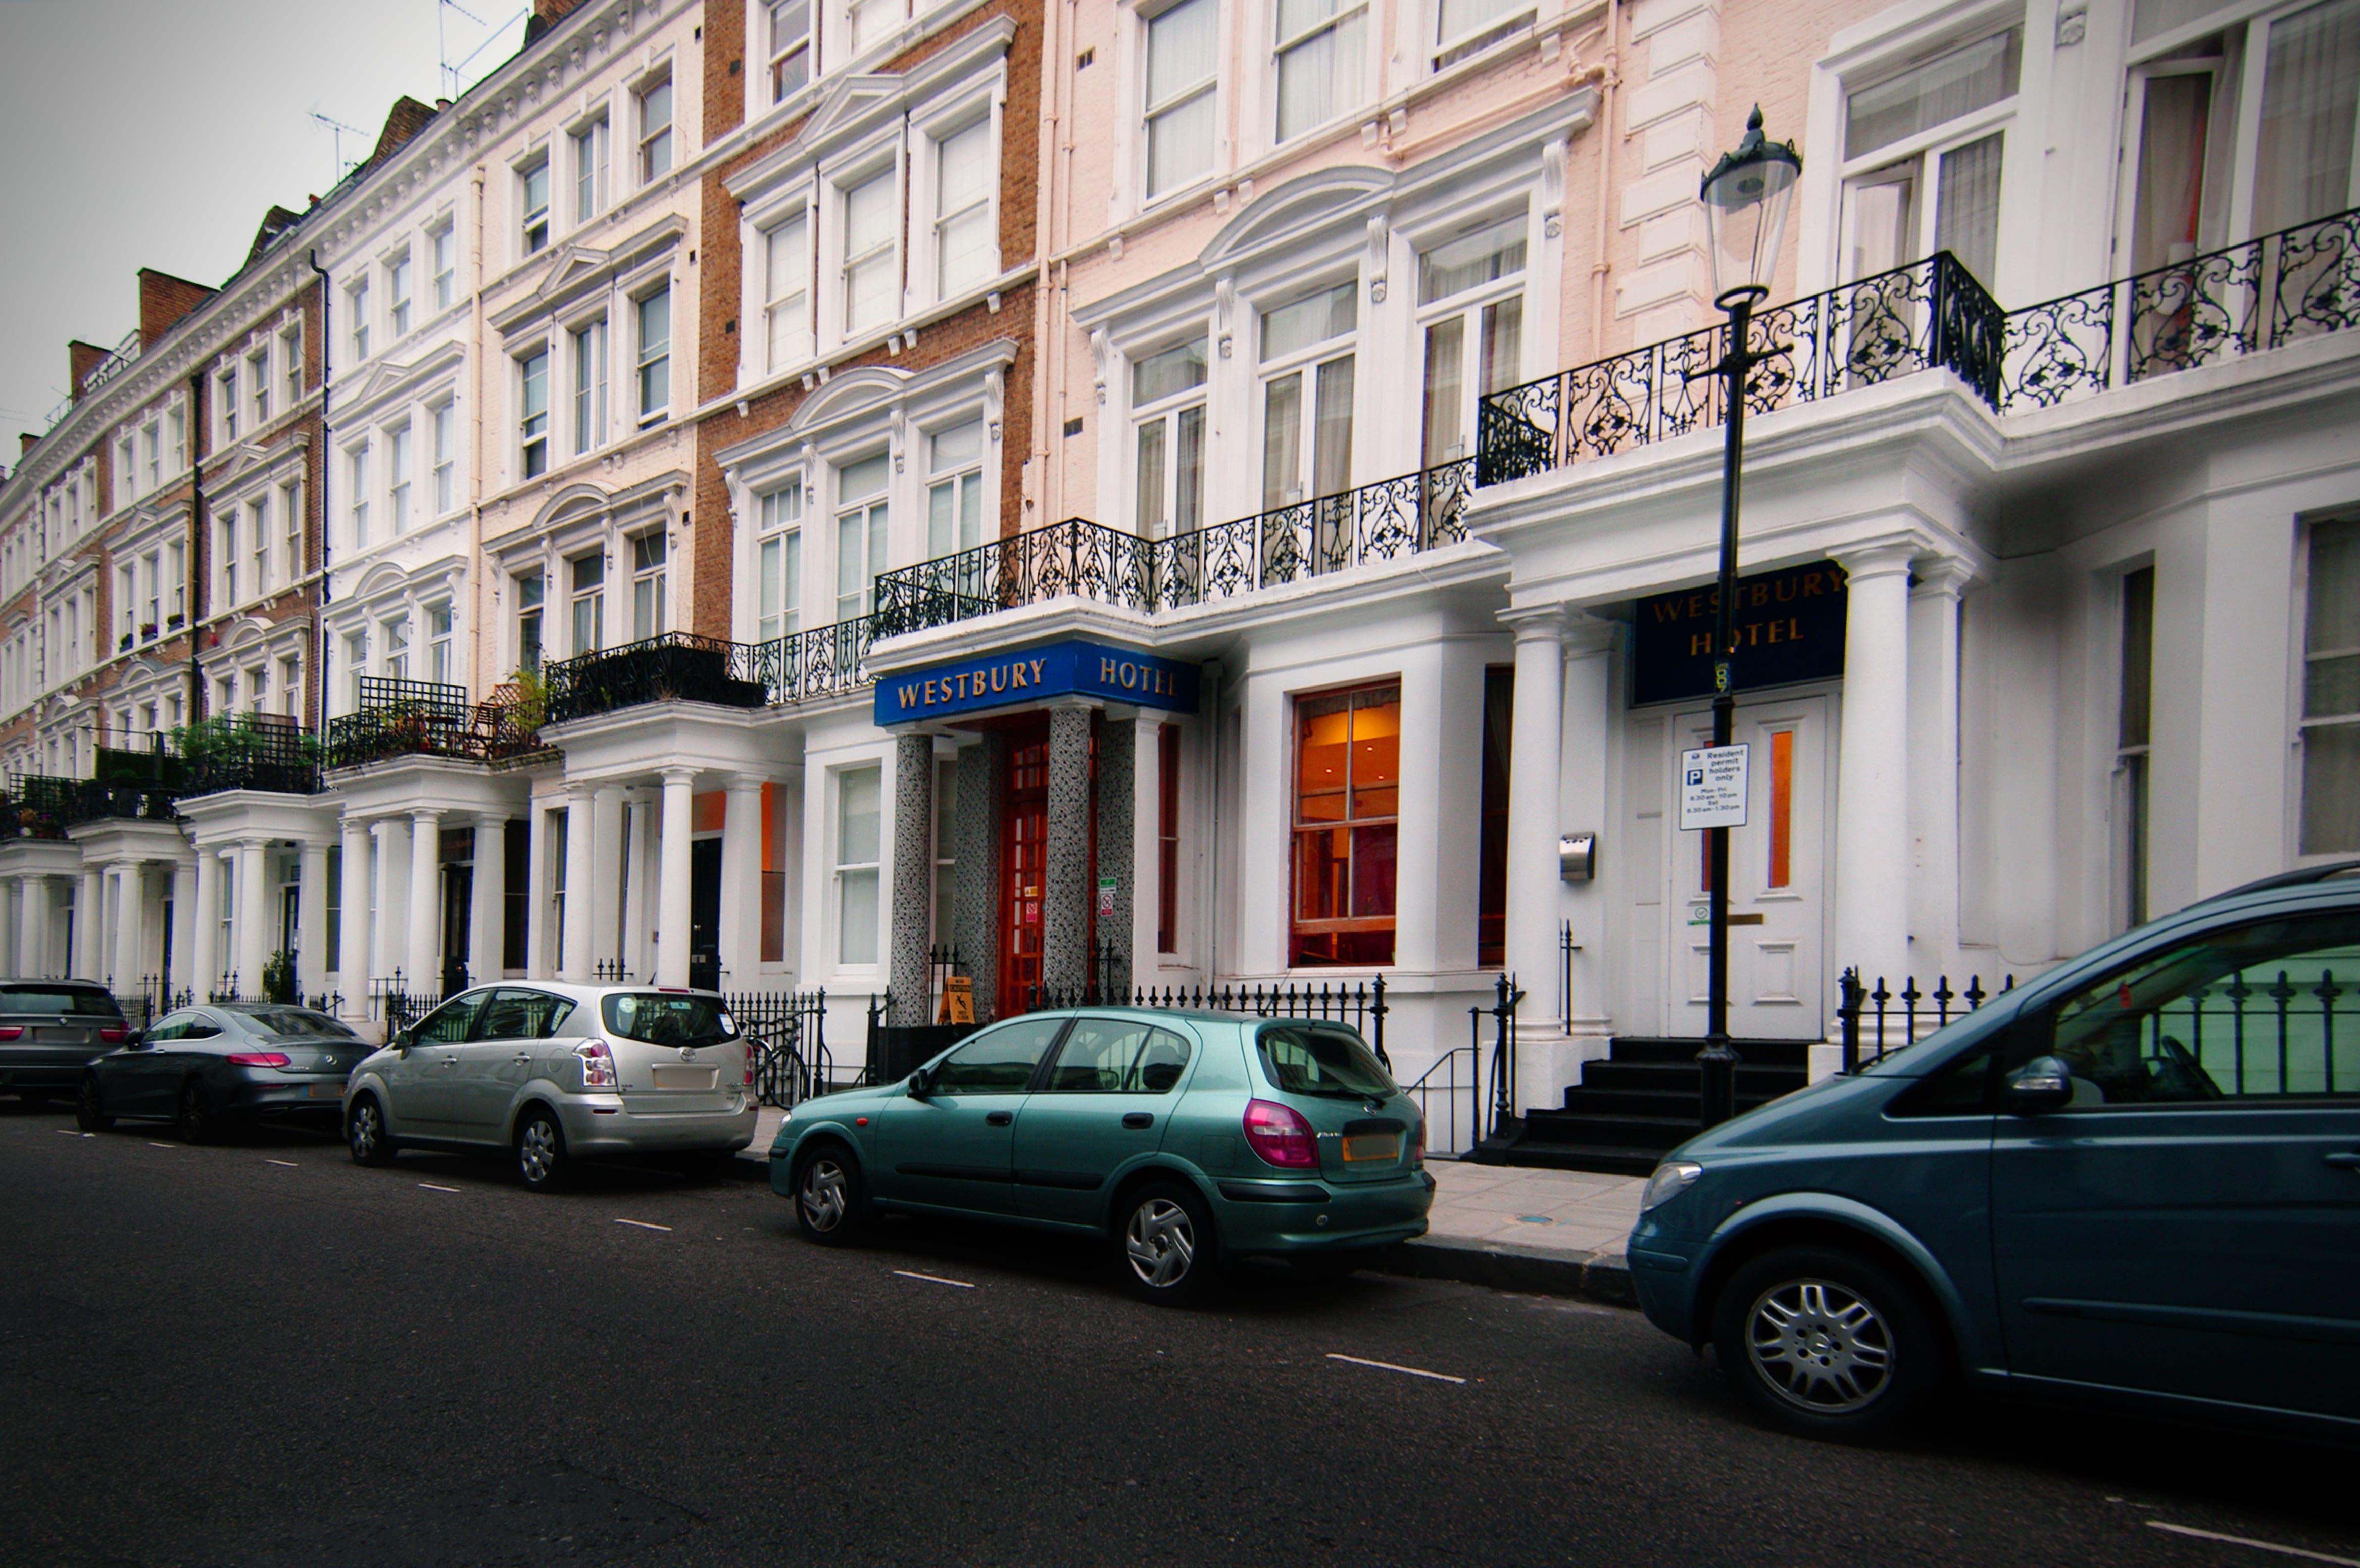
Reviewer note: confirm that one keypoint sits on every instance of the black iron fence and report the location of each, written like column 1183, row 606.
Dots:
column 666, row 668
column 788, row 1030
column 426, row 718
column 1874, row 1022
column 1360, row 1003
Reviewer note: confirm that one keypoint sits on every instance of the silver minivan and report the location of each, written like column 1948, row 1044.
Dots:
column 557, row 1072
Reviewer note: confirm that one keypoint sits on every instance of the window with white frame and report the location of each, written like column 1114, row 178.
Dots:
column 654, row 100
column 1471, row 311
column 654, row 355
column 589, row 601
column 860, row 852
column 648, row 596
column 1306, row 396
column 443, row 425
column 529, row 598
column 587, row 349
column 357, row 485
column 176, row 438
column 955, row 489
column 1320, row 50
column 1182, row 78
column 257, row 543
column 590, row 158
column 870, row 22
column 291, row 685
column 225, row 537
column 356, row 313
column 397, row 295
column 872, row 224
column 258, row 687
column 258, row 384
column 396, row 478
column 1167, row 406
column 290, row 360
column 788, row 24
column 397, row 646
column 176, row 584
column 2330, row 692
column 1467, row 27
column 151, row 441
column 225, row 403
column 963, row 230
column 779, row 563
column 126, row 468
column 442, row 259
column 438, row 665
column 533, row 200
column 1922, row 155
column 355, row 667
column 786, row 285
column 126, row 603
column 860, row 538
column 290, row 528
column 532, row 413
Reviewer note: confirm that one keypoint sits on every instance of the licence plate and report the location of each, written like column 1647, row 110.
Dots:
column 1361, row 1146
column 685, row 1076
column 327, row 1092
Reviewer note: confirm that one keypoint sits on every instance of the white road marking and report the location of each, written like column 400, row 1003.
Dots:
column 2257, row 1545
column 432, row 1187
column 154, row 1144
column 936, row 1278
column 1389, row 1366
column 287, row 1163
column 643, row 1224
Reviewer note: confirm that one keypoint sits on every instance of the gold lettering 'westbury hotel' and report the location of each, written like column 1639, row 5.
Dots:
column 1751, row 595
column 1017, row 675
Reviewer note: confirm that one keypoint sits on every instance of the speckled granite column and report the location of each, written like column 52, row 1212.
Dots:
column 914, row 879
column 1065, row 912
column 975, row 876
column 1117, row 802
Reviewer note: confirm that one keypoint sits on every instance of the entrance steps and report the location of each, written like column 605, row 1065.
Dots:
column 1634, row 1106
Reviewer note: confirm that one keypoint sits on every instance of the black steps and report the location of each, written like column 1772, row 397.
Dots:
column 1631, row 1109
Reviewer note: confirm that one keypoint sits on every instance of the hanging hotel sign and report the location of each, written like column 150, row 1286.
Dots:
column 1790, row 628
column 1020, row 678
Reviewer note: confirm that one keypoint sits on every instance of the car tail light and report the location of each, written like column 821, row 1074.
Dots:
column 1417, row 1143
column 114, row 1035
column 1281, row 1136
column 749, row 1065
column 12, row 1032
column 597, row 1065
column 257, row 1059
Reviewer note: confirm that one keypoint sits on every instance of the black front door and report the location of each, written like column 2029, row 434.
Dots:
column 704, row 916
column 458, row 905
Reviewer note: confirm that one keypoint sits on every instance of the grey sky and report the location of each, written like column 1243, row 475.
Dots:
column 156, row 133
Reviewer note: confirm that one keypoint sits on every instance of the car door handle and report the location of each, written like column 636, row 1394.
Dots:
column 1138, row 1119
column 2344, row 1161
column 998, row 1118
column 450, row 1061
column 521, row 1056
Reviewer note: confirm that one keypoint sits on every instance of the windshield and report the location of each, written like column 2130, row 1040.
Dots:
column 90, row 1003
column 661, row 1019
column 1325, row 1060
column 299, row 1023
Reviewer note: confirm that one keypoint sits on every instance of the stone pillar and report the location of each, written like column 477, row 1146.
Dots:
column 638, row 898
column 1872, row 922
column 206, row 957
column 1066, row 909
column 910, row 920
column 130, row 900
column 975, row 875
column 1934, row 766
column 90, row 921
column 487, row 912
column 32, row 913
column 423, row 959
column 1537, row 753
column 607, row 873
column 252, row 925
column 311, row 919
column 393, row 850
column 672, row 883
column 1118, row 805
column 183, row 973
column 11, row 922
column 540, row 955
column 1591, row 713
column 353, row 935
column 573, row 945
column 741, row 884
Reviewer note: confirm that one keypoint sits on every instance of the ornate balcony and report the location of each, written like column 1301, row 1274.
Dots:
column 36, row 807
column 676, row 665
column 422, row 719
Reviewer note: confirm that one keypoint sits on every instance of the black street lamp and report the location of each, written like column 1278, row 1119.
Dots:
column 1745, row 198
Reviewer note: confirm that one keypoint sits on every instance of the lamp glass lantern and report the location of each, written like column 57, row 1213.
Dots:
column 1745, row 201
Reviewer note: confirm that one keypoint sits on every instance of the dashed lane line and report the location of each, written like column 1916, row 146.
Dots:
column 934, row 1279
column 2257, row 1545
column 643, row 1224
column 437, row 1186
column 287, row 1163
column 154, row 1144
column 1411, row 1371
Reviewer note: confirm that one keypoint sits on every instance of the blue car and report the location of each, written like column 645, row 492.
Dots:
column 2135, row 1179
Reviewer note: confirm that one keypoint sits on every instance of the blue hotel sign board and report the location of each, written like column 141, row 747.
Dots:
column 1020, row 677
column 1790, row 628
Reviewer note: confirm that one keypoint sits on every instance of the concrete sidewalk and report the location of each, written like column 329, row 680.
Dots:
column 1556, row 1231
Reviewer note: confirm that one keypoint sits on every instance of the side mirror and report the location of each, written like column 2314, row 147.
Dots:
column 2044, row 1083
column 403, row 1039
column 922, row 1084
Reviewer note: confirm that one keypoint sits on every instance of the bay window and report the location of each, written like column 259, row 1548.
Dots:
column 1306, row 357
column 1182, row 74
column 860, row 520
column 1321, row 48
column 1471, row 308
column 1167, row 402
column 1347, row 811
column 964, row 248
column 955, row 489
column 873, row 222
column 778, row 568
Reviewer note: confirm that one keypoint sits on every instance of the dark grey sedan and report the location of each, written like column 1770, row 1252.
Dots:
column 202, row 1067
column 50, row 1030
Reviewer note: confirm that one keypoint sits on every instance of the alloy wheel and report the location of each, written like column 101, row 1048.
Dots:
column 1161, row 1242
column 537, row 1153
column 822, row 1196
column 366, row 1132
column 1819, row 1346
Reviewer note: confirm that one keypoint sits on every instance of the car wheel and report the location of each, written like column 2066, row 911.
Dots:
column 365, row 1133
column 1166, row 1248
column 1827, row 1343
column 540, row 1151
column 195, row 1120
column 831, row 1201
column 90, row 1106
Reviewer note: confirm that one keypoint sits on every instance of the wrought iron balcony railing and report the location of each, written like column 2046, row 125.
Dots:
column 238, row 751
column 1927, row 315
column 822, row 661
column 1382, row 521
column 678, row 665
column 121, row 800
column 424, row 719
column 35, row 806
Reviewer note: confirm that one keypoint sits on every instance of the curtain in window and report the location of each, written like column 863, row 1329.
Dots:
column 1966, row 218
column 2309, row 91
column 2171, row 170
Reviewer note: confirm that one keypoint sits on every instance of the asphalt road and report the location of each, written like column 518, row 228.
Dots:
column 260, row 1353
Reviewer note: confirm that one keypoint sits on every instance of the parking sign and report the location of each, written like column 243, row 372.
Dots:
column 1712, row 788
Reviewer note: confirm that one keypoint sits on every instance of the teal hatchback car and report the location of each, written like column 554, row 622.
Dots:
column 1183, row 1139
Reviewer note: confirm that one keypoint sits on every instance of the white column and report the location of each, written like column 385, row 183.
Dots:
column 540, row 942
column 1591, row 715
column 605, row 873
column 1934, row 766
column 1536, row 751
column 11, row 923
column 672, row 882
column 90, row 921
column 205, row 965
column 1871, row 779
column 575, row 962
column 253, row 921
column 183, row 974
column 352, row 933
column 487, row 916
column 424, row 961
column 311, row 919
column 638, row 898
column 741, row 884
column 130, row 897
column 393, row 899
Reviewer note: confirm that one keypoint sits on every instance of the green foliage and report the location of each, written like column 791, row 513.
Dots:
column 279, row 978
column 531, row 709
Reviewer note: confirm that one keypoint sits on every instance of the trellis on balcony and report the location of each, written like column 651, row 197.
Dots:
column 427, row 718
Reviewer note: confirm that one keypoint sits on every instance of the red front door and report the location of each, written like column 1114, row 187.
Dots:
column 1023, row 870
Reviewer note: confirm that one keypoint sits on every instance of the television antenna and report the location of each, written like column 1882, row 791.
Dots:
column 455, row 71
column 338, row 129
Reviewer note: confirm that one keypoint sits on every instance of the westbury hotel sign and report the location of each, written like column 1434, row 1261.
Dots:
column 1790, row 628
column 1025, row 676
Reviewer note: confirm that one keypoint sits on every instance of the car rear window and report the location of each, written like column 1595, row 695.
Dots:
column 661, row 1019
column 89, row 1001
column 1322, row 1059
column 300, row 1024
